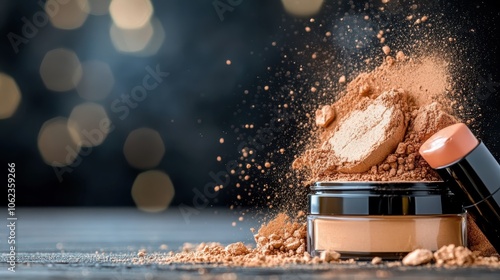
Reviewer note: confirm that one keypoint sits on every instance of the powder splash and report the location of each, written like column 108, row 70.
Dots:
column 314, row 95
column 421, row 110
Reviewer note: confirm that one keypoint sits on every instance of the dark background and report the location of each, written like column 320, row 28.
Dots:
column 204, row 99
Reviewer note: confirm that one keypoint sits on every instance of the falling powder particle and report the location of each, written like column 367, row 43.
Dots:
column 386, row 50
column 228, row 62
column 325, row 116
column 221, row 140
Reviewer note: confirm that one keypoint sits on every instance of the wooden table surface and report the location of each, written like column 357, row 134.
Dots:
column 79, row 243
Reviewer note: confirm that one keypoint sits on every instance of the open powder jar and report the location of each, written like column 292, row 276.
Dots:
column 384, row 219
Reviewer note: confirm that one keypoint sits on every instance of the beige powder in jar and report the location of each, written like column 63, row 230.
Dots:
column 386, row 234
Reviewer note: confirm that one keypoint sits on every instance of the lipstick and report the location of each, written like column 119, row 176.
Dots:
column 471, row 172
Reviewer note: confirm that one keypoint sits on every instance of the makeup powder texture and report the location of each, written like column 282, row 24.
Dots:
column 281, row 241
column 367, row 135
column 271, row 254
column 449, row 256
column 281, row 235
column 476, row 239
column 345, row 147
column 373, row 234
column 381, row 120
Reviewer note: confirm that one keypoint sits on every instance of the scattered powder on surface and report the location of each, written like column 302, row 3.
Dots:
column 449, row 256
column 376, row 260
column 281, row 242
column 418, row 257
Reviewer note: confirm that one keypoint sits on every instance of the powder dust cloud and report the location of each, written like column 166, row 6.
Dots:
column 393, row 71
column 341, row 62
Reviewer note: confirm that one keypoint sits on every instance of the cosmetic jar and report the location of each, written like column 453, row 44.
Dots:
column 386, row 219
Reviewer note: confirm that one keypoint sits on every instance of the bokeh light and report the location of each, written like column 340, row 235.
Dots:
column 152, row 191
column 55, row 143
column 96, row 82
column 302, row 8
column 130, row 14
column 99, row 7
column 90, row 124
column 156, row 40
column 144, row 148
column 60, row 70
column 131, row 40
column 68, row 14
column 10, row 96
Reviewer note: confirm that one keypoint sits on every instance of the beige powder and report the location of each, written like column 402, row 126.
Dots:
column 418, row 257
column 281, row 235
column 283, row 227
column 366, row 136
column 376, row 234
column 325, row 116
column 425, row 81
column 477, row 241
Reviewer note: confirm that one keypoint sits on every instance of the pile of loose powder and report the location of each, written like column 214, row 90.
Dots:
column 380, row 121
column 279, row 242
column 369, row 133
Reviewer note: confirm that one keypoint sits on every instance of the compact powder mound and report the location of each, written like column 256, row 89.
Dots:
column 380, row 122
column 367, row 135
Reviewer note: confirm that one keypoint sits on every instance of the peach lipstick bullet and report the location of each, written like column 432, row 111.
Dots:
column 471, row 172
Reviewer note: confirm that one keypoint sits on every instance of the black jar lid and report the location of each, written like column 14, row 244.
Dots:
column 382, row 198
